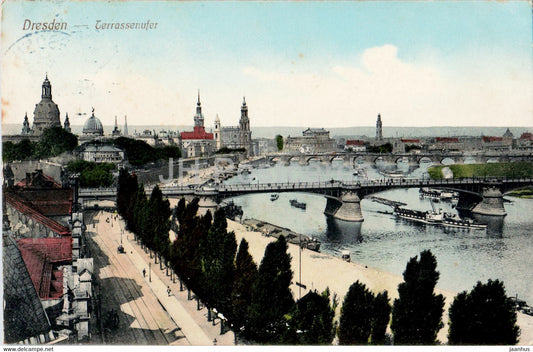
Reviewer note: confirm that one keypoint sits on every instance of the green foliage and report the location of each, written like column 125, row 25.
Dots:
column 380, row 319
column 417, row 313
column 185, row 250
column 525, row 192
column 356, row 316
column 382, row 149
column 218, row 255
column 55, row 141
column 244, row 279
column 515, row 169
column 483, row 316
column 159, row 223
column 311, row 320
column 226, row 150
column 271, row 295
column 92, row 174
column 18, row 151
column 279, row 142
column 140, row 153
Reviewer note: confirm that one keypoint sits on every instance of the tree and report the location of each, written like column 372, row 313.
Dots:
column 380, row 319
column 356, row 316
column 139, row 221
column 54, row 141
column 311, row 320
column 417, row 313
column 244, row 279
column 279, row 142
column 271, row 295
column 483, row 316
column 218, row 256
column 159, row 222
column 185, row 251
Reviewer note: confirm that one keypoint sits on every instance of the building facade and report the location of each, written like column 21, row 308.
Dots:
column 313, row 140
column 197, row 143
column 235, row 137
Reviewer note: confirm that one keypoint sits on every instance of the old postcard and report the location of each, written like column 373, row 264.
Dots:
column 199, row 173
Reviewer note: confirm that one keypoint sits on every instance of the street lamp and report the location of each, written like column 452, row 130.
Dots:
column 150, row 272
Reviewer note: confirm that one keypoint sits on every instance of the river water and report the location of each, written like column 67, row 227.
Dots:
column 502, row 251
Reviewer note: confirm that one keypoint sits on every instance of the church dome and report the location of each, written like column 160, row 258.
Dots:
column 93, row 126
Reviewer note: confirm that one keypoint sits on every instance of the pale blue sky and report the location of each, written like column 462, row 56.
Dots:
column 298, row 63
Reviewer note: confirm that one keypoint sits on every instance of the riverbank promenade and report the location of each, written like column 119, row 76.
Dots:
column 194, row 329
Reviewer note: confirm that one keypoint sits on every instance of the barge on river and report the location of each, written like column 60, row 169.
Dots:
column 439, row 218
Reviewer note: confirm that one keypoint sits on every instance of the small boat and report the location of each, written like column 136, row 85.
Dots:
column 274, row 196
column 297, row 204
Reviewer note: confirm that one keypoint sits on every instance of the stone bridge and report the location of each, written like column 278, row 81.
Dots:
column 436, row 158
column 480, row 195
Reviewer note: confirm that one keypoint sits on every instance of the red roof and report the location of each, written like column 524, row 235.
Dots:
column 527, row 135
column 49, row 202
column 198, row 133
column 406, row 140
column 42, row 256
column 355, row 142
column 447, row 139
column 489, row 139
column 38, row 179
column 20, row 204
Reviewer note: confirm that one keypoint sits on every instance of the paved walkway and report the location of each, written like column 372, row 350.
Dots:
column 193, row 322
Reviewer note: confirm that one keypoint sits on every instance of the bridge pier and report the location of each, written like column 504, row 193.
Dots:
column 346, row 208
column 206, row 203
column 492, row 203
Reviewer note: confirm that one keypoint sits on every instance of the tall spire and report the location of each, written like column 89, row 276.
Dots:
column 26, row 125
column 199, row 117
column 66, row 125
column 125, row 125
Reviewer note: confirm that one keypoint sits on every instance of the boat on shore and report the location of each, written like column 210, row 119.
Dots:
column 271, row 230
column 297, row 204
column 274, row 196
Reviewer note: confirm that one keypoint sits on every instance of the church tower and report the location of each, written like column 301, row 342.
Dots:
column 379, row 129
column 125, row 125
column 245, row 134
column 46, row 113
column 26, row 125
column 218, row 133
column 198, row 118
column 66, row 125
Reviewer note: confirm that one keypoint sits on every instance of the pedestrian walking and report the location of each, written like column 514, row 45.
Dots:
column 168, row 290
column 144, row 272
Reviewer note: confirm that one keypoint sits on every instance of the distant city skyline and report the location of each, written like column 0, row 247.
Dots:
column 316, row 64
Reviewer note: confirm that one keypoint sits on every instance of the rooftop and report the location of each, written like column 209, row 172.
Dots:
column 42, row 256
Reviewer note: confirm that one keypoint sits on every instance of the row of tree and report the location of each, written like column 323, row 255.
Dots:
column 139, row 152
column 53, row 142
column 258, row 303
